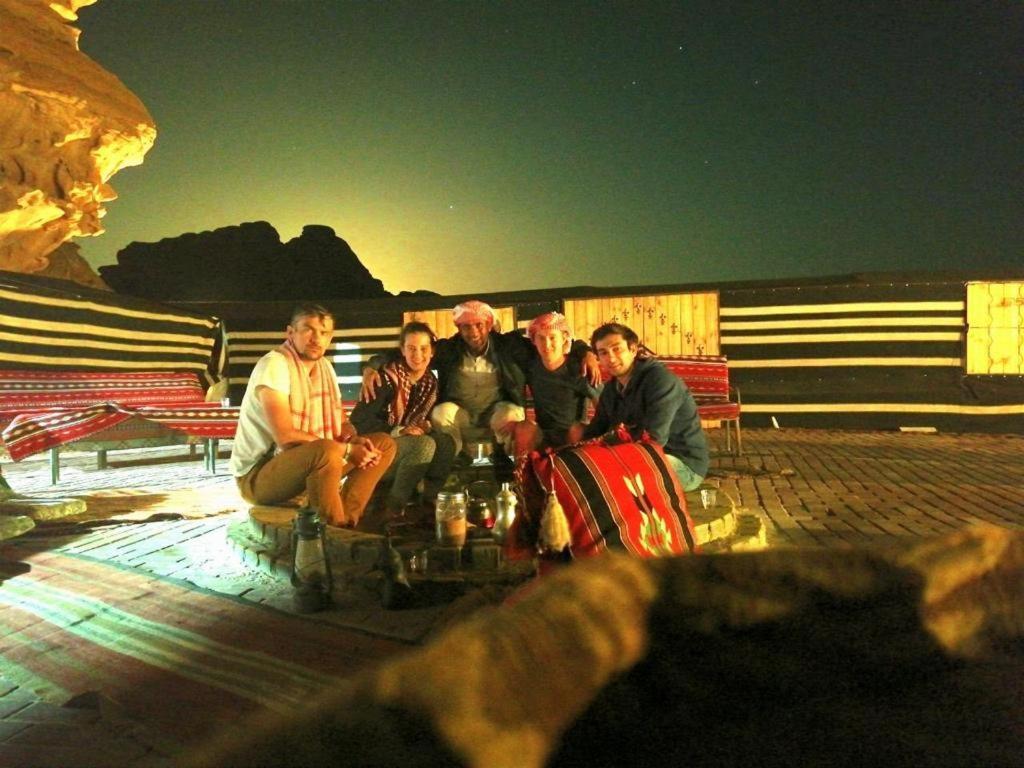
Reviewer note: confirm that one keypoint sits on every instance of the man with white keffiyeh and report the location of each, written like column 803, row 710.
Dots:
column 292, row 434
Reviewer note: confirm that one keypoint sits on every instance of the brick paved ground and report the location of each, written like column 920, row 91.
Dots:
column 822, row 488
column 812, row 488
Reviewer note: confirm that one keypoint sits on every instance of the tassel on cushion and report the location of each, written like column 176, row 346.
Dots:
column 554, row 527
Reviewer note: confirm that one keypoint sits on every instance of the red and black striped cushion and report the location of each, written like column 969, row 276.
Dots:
column 624, row 496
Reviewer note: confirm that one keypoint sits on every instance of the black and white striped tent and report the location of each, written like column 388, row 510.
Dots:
column 881, row 353
column 56, row 325
column 878, row 351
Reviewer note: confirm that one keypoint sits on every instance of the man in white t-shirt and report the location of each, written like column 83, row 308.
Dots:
column 292, row 434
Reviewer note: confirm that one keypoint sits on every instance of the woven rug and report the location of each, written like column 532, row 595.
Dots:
column 181, row 659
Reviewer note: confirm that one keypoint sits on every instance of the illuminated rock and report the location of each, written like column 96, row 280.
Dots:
column 66, row 126
column 67, row 263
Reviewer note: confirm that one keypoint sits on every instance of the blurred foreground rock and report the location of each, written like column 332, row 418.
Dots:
column 66, row 126
column 785, row 657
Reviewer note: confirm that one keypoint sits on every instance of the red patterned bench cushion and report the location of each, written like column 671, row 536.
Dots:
column 707, row 378
column 22, row 391
column 31, row 433
column 623, row 496
column 714, row 411
column 40, row 410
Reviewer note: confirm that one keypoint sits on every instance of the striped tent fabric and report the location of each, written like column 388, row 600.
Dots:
column 75, row 362
column 351, row 348
column 869, row 355
column 876, row 351
column 53, row 325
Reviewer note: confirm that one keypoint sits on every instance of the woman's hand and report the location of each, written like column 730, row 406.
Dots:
column 368, row 390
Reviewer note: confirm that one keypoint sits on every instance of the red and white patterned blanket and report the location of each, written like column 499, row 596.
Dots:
column 40, row 410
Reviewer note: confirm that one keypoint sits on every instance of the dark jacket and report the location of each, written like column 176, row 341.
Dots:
column 511, row 353
column 659, row 403
column 373, row 416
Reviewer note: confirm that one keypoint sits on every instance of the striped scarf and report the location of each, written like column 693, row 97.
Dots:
column 410, row 407
column 313, row 397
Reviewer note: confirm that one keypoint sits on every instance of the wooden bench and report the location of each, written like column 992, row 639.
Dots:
column 707, row 378
column 42, row 410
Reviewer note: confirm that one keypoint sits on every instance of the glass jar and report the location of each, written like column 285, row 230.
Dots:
column 450, row 518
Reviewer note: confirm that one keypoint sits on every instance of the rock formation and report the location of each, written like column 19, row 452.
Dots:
column 66, row 126
column 67, row 263
column 245, row 262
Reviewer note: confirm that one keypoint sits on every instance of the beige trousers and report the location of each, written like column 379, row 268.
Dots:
column 316, row 468
column 454, row 420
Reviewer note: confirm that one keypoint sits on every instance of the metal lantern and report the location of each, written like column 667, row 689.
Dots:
column 311, row 569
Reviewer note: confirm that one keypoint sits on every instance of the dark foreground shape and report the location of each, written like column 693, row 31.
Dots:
column 912, row 657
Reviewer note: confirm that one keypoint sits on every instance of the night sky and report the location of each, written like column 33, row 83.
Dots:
column 484, row 146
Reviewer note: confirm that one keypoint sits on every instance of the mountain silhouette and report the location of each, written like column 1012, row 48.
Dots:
column 243, row 262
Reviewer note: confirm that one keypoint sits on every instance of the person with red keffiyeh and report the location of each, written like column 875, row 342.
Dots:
column 481, row 377
column 560, row 391
column 401, row 406
column 292, row 434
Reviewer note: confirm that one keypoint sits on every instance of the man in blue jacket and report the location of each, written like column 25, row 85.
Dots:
column 647, row 397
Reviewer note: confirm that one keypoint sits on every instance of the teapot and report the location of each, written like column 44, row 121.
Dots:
column 480, row 510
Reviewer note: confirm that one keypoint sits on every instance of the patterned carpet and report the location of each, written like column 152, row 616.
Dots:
column 179, row 658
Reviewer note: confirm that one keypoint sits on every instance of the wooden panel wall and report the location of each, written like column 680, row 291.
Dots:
column 440, row 320
column 995, row 318
column 668, row 323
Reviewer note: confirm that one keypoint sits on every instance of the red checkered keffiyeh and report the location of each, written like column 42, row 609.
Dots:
column 410, row 407
column 313, row 397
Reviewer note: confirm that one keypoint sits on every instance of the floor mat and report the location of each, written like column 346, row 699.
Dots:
column 182, row 659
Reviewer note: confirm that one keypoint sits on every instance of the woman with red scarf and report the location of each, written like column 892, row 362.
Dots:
column 401, row 407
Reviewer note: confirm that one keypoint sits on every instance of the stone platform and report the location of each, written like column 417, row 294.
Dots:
column 263, row 540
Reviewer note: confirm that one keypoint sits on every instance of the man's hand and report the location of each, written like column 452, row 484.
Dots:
column 368, row 390
column 412, row 431
column 362, row 452
column 575, row 433
column 591, row 370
